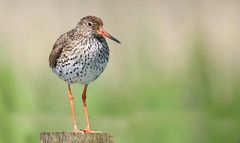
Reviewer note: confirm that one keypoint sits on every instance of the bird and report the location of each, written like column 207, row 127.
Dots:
column 80, row 56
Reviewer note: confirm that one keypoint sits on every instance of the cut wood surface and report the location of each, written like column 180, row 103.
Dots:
column 72, row 137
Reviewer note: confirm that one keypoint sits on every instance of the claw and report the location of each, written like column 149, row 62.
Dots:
column 78, row 131
column 89, row 131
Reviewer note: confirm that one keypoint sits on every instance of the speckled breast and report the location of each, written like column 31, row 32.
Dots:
column 84, row 62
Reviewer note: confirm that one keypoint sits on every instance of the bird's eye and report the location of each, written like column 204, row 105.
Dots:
column 89, row 24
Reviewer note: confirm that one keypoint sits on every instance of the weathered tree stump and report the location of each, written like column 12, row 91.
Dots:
column 71, row 137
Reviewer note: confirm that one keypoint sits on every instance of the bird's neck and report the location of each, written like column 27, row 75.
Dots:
column 80, row 31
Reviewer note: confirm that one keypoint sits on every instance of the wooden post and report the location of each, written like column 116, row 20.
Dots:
column 71, row 137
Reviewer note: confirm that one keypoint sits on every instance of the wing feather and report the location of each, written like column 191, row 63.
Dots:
column 62, row 42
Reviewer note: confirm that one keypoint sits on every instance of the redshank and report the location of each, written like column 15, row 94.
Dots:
column 80, row 56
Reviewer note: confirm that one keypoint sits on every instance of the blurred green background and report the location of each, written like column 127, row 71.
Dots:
column 174, row 79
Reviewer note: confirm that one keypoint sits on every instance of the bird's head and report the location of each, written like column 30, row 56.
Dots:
column 92, row 25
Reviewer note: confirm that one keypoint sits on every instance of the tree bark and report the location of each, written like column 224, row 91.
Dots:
column 72, row 137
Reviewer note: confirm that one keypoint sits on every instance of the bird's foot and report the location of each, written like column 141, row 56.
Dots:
column 89, row 131
column 78, row 131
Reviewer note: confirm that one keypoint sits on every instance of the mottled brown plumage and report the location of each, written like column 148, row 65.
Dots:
column 62, row 42
column 80, row 56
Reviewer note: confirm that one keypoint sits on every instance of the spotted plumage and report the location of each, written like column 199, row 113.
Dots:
column 80, row 55
column 81, row 60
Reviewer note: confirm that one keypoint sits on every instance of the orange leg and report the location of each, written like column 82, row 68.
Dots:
column 87, row 129
column 72, row 108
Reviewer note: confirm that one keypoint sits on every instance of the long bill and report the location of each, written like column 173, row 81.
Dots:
column 104, row 33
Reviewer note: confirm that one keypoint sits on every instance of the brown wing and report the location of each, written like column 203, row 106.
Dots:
column 62, row 42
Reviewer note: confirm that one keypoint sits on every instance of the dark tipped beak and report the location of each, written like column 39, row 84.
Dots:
column 104, row 33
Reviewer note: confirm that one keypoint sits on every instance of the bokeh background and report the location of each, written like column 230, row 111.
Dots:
column 174, row 79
